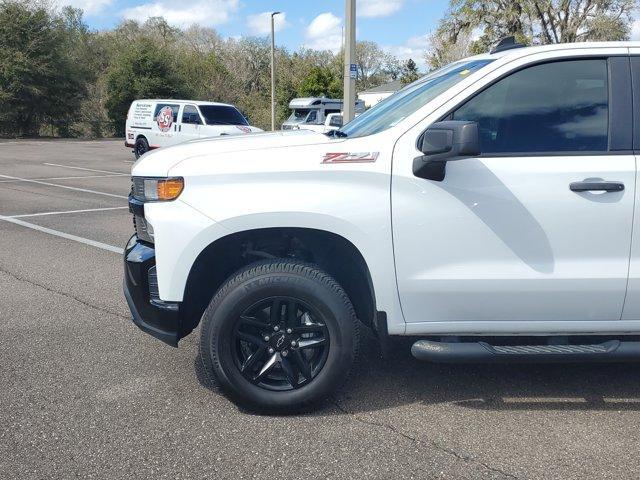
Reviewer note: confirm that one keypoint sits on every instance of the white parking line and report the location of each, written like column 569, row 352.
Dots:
column 66, row 211
column 64, row 186
column 68, row 236
column 69, row 178
column 82, row 168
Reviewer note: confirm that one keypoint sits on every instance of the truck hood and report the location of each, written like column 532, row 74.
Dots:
column 157, row 163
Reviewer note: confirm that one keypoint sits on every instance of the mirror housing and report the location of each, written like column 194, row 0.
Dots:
column 444, row 142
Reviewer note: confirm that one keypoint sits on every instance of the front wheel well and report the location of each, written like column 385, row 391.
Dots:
column 331, row 252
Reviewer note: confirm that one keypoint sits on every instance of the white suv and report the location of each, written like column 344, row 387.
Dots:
column 487, row 209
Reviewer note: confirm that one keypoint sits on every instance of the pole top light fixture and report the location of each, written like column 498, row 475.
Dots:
column 275, row 13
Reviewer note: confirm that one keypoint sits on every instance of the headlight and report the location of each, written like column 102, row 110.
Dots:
column 157, row 189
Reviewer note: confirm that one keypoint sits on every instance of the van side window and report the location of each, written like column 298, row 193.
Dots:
column 190, row 115
column 553, row 107
column 336, row 121
column 160, row 106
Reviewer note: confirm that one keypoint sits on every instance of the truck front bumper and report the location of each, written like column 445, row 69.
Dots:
column 152, row 315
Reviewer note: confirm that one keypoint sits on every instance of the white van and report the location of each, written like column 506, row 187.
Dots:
column 160, row 123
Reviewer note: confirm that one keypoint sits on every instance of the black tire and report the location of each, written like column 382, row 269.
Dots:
column 141, row 147
column 302, row 289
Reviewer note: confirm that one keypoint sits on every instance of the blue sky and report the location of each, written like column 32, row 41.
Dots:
column 400, row 26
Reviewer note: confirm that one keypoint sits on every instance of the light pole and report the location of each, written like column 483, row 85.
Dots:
column 273, row 74
column 349, row 101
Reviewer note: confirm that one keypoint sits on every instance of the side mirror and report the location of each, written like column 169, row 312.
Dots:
column 444, row 142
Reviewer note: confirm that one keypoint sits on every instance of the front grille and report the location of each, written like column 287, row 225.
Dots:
column 287, row 127
column 152, row 276
column 143, row 229
column 137, row 187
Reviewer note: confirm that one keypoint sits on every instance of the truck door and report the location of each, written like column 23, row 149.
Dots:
column 515, row 240
column 191, row 122
column 632, row 302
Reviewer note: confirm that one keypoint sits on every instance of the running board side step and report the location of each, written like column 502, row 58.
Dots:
column 482, row 352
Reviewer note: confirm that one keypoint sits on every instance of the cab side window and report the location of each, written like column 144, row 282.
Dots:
column 190, row 115
column 553, row 107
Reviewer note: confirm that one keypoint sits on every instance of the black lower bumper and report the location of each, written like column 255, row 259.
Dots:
column 151, row 315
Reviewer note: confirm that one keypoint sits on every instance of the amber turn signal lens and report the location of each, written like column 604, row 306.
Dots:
column 170, row 188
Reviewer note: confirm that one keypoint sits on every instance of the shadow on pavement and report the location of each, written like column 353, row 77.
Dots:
column 400, row 380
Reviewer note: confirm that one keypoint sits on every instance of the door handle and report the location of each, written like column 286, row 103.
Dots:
column 601, row 186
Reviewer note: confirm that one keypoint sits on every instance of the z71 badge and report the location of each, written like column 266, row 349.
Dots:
column 346, row 157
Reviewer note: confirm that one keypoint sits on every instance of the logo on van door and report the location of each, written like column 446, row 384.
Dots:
column 165, row 119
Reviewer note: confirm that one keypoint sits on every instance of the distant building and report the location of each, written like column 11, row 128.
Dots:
column 376, row 94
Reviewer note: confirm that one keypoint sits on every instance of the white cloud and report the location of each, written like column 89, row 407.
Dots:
column 324, row 33
column 378, row 8
column 414, row 48
column 89, row 7
column 186, row 12
column 260, row 23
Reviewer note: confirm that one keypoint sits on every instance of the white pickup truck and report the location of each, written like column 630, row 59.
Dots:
column 486, row 209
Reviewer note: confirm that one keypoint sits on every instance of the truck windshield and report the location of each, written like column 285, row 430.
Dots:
column 299, row 115
column 222, row 115
column 411, row 98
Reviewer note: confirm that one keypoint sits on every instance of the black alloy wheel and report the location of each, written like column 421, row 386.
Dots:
column 280, row 343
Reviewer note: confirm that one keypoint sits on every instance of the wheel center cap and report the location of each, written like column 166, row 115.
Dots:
column 279, row 341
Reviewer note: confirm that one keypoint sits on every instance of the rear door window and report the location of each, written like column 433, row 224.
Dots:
column 174, row 108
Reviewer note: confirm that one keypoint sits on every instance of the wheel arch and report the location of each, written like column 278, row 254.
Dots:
column 332, row 252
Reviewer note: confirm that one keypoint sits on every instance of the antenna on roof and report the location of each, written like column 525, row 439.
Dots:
column 507, row 43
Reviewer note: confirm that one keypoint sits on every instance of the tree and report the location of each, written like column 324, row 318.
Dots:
column 321, row 82
column 375, row 66
column 409, row 72
column 145, row 70
column 59, row 77
column 447, row 44
column 531, row 22
column 38, row 78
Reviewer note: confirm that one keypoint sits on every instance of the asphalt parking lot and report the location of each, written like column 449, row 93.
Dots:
column 84, row 393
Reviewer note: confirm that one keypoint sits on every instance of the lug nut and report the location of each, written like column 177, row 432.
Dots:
column 289, row 330
column 285, row 353
column 271, row 350
column 266, row 338
column 276, row 328
column 294, row 343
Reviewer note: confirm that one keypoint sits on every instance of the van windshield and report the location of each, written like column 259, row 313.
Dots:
column 222, row 115
column 299, row 115
column 410, row 99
